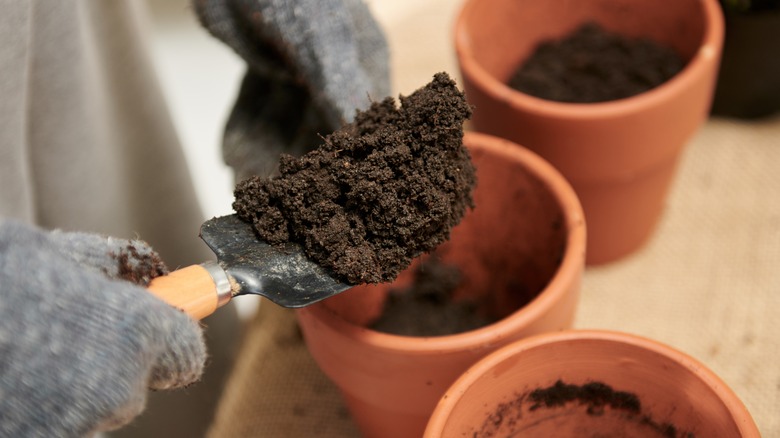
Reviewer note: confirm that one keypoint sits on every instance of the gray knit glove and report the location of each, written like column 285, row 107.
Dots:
column 79, row 345
column 311, row 63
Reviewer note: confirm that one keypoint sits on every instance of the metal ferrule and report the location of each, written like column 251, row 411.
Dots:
column 221, row 282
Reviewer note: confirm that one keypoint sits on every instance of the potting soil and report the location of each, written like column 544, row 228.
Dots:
column 593, row 65
column 594, row 397
column 139, row 268
column 377, row 193
column 427, row 308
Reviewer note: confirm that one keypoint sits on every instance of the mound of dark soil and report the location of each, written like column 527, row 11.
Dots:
column 379, row 192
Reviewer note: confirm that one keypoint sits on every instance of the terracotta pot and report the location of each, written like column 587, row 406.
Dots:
column 657, row 392
column 527, row 229
column 620, row 156
column 749, row 78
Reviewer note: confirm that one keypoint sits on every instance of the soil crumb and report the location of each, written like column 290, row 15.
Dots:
column 593, row 65
column 427, row 308
column 517, row 416
column 377, row 193
column 139, row 267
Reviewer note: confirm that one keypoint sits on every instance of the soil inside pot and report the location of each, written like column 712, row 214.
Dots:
column 593, row 65
column 592, row 409
column 377, row 193
column 427, row 308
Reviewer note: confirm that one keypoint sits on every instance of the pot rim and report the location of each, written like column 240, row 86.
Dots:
column 455, row 392
column 568, row 272
column 708, row 52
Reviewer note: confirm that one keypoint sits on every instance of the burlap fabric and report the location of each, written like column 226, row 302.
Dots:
column 707, row 283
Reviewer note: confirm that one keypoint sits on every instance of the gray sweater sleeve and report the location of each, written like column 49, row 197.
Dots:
column 80, row 345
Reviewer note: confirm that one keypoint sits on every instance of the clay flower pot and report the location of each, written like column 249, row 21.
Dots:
column 589, row 384
column 620, row 156
column 526, row 230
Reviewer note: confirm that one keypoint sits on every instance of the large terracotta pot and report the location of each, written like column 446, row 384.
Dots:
column 653, row 391
column 620, row 156
column 527, row 230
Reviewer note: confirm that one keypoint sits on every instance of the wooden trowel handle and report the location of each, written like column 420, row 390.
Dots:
column 192, row 289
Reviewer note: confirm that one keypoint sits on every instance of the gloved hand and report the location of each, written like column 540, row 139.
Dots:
column 79, row 345
column 311, row 63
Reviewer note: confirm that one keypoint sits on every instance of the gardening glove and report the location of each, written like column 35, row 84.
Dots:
column 311, row 63
column 79, row 344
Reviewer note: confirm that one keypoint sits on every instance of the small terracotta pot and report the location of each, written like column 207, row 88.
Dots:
column 526, row 228
column 658, row 392
column 620, row 156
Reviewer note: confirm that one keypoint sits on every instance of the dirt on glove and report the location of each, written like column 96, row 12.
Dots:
column 139, row 267
column 377, row 193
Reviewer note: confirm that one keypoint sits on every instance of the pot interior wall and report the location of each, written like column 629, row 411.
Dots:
column 673, row 397
column 502, row 33
column 507, row 248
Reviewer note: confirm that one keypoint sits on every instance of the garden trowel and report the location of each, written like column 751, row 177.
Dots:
column 245, row 265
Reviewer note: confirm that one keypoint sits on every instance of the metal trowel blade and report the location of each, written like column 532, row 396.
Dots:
column 283, row 274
